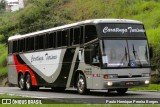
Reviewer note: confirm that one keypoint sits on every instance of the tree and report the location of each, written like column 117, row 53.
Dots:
column 2, row 6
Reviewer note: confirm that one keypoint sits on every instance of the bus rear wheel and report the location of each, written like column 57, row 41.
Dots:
column 28, row 82
column 29, row 85
column 21, row 82
column 81, row 85
column 122, row 91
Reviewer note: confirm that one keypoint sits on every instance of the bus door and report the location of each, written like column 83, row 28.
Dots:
column 92, row 58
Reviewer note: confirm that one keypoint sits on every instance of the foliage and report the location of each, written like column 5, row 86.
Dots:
column 2, row 5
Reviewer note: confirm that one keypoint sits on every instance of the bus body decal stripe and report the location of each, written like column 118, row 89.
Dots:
column 74, row 71
column 61, row 80
column 72, row 68
column 39, row 80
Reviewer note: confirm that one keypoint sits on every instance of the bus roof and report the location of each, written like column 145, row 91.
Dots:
column 92, row 21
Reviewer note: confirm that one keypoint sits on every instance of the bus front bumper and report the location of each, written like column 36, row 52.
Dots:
column 125, row 82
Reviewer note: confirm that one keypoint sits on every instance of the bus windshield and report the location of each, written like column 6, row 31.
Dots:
column 125, row 53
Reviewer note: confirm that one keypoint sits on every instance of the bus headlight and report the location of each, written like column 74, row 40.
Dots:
column 145, row 75
column 110, row 76
column 109, row 83
column 146, row 81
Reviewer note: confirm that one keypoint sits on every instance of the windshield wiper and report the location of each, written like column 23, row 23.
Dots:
column 125, row 55
column 146, row 54
column 135, row 54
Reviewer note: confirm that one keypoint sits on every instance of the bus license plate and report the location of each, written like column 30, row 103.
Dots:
column 129, row 83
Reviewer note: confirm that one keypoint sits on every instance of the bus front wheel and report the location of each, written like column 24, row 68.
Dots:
column 81, row 85
column 122, row 90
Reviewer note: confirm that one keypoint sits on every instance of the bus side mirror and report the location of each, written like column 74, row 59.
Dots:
column 151, row 52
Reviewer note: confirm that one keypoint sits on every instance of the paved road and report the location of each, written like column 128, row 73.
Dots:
column 72, row 94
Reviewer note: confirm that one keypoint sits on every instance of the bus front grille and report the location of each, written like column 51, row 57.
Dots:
column 126, row 76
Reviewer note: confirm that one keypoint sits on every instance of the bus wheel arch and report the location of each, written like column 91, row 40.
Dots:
column 76, row 76
column 81, row 83
column 28, row 82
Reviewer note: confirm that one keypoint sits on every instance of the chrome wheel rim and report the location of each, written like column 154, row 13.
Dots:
column 21, row 83
column 28, row 83
column 80, row 85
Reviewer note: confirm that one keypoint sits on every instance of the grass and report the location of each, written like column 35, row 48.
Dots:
column 8, row 96
column 154, row 87
column 80, row 105
column 71, row 105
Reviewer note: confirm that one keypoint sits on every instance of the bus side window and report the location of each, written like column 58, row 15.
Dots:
column 47, row 40
column 59, row 39
column 27, row 44
column 36, row 43
column 71, row 37
column 23, row 45
column 95, row 55
column 15, row 46
column 50, row 40
column 92, row 55
column 32, row 43
column 81, row 37
column 65, row 36
column 87, row 55
column 76, row 35
column 20, row 44
column 41, row 42
column 90, row 33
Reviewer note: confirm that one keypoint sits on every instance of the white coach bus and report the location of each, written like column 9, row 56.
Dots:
column 101, row 54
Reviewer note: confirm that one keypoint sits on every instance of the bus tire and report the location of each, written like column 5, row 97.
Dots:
column 81, row 85
column 21, row 82
column 122, row 90
column 28, row 84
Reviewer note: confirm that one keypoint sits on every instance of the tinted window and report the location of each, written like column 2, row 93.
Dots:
column 59, row 39
column 20, row 44
column 32, row 43
column 41, row 42
column 27, row 44
column 81, row 35
column 65, row 36
column 71, row 37
column 87, row 54
column 15, row 46
column 50, row 40
column 90, row 33
column 76, row 35
column 24, row 44
column 92, row 55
